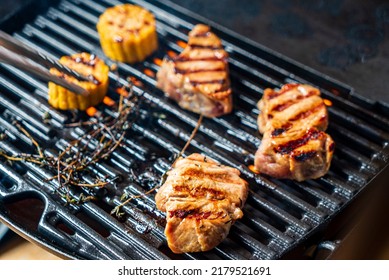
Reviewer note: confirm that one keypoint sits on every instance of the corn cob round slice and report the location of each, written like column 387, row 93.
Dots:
column 87, row 65
column 127, row 33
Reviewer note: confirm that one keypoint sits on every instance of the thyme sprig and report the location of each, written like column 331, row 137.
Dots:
column 117, row 211
column 127, row 199
column 105, row 135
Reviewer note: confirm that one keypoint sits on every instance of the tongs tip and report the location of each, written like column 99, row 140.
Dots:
column 16, row 53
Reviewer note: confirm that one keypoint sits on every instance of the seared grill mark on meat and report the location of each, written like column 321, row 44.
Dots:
column 200, row 192
column 211, row 47
column 288, row 104
column 195, row 83
column 195, row 214
column 278, row 131
column 185, row 71
column 303, row 156
column 199, row 66
column 306, row 114
column 281, row 107
column 288, row 147
column 186, row 59
column 203, row 174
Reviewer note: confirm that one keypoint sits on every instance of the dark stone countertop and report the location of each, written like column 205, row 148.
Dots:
column 347, row 40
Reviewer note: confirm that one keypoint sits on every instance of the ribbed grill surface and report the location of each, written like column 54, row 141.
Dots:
column 279, row 214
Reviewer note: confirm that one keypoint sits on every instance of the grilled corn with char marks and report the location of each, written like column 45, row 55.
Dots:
column 89, row 66
column 127, row 33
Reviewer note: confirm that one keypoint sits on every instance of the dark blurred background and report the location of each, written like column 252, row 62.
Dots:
column 345, row 39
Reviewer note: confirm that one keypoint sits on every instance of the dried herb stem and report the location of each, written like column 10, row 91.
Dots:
column 31, row 138
column 116, row 211
column 193, row 134
column 102, row 137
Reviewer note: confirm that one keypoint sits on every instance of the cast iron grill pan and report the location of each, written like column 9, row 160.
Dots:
column 279, row 215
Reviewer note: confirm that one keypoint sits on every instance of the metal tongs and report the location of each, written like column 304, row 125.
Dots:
column 18, row 54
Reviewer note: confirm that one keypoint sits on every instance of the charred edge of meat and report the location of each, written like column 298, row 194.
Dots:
column 278, row 131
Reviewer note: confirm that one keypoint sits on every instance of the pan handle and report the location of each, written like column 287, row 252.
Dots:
column 325, row 249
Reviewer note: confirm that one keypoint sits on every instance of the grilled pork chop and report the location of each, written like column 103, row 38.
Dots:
column 202, row 199
column 198, row 78
column 293, row 145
